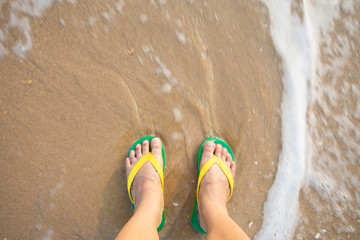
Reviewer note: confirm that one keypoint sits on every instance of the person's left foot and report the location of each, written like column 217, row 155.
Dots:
column 214, row 188
column 147, row 190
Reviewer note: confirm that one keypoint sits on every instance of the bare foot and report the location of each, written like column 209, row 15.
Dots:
column 147, row 190
column 214, row 188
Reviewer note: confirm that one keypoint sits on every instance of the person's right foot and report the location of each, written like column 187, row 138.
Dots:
column 214, row 188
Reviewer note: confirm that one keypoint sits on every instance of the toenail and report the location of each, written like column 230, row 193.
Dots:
column 156, row 140
column 210, row 144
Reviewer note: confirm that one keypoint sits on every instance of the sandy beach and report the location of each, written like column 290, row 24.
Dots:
column 100, row 75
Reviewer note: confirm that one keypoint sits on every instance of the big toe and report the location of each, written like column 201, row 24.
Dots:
column 208, row 151
column 156, row 149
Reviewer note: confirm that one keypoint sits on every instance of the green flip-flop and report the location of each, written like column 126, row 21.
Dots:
column 201, row 173
column 147, row 158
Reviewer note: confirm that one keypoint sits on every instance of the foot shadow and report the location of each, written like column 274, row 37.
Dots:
column 116, row 209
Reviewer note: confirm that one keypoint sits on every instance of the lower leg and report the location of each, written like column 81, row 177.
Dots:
column 143, row 224
column 220, row 226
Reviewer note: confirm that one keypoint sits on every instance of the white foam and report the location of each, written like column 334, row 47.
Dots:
column 203, row 55
column 37, row 226
column 297, row 43
column 351, row 25
column 147, row 49
column 120, row 5
column 3, row 50
column 48, row 235
column 179, row 23
column 347, row 6
column 162, row 2
column 2, row 36
column 176, row 136
column 108, row 15
column 167, row 15
column 162, row 69
column 293, row 42
column 18, row 14
column 357, row 112
column 166, row 88
column 57, row 187
column 181, row 37
column 332, row 174
column 34, row 8
column 92, row 21
column 140, row 60
column 177, row 115
column 22, row 24
column 62, row 21
column 144, row 18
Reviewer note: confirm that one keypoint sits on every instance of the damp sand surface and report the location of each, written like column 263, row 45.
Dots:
column 97, row 79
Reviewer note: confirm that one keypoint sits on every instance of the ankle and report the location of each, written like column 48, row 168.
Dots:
column 149, row 198
column 211, row 212
column 212, row 207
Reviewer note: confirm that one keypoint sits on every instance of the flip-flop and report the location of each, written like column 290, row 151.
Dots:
column 146, row 158
column 201, row 173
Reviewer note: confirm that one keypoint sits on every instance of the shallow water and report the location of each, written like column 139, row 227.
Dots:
column 81, row 82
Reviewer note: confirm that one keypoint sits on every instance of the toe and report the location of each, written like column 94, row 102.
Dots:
column 127, row 166
column 127, row 163
column 232, row 165
column 145, row 147
column 218, row 150
column 228, row 160
column 156, row 149
column 132, row 156
column 228, row 157
column 209, row 148
column 138, row 151
column 208, row 152
column 224, row 154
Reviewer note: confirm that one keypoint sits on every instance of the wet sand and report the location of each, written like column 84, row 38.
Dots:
column 94, row 83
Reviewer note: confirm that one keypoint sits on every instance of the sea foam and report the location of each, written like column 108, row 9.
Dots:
column 297, row 40
column 292, row 42
column 19, row 13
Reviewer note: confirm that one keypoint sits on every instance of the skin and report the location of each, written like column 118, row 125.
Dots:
column 149, row 200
